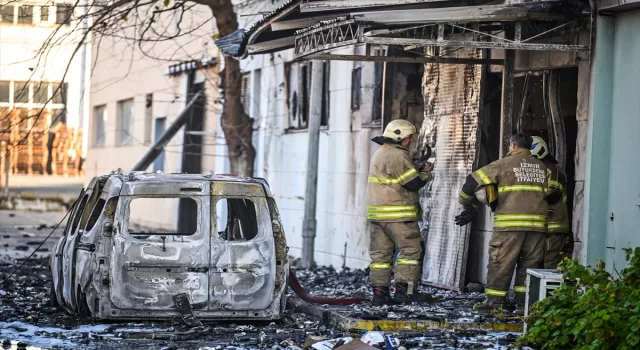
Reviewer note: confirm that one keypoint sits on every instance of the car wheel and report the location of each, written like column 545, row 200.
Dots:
column 53, row 300
column 83, row 307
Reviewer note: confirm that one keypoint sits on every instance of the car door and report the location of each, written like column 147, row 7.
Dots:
column 242, row 272
column 57, row 261
column 69, row 251
column 151, row 261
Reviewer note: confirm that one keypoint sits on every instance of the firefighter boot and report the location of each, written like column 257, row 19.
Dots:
column 491, row 304
column 380, row 296
column 406, row 293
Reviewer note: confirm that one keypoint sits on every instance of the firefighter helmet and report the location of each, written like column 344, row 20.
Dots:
column 399, row 129
column 539, row 148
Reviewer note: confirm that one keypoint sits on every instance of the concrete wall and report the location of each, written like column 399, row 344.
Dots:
column 612, row 189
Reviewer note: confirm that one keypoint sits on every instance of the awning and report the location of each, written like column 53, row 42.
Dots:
column 313, row 27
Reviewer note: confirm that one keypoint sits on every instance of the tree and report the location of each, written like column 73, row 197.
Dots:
column 143, row 23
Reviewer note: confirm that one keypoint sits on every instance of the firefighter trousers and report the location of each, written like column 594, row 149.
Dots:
column 385, row 238
column 553, row 249
column 506, row 250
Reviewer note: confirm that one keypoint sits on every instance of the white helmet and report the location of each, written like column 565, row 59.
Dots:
column 539, row 148
column 399, row 129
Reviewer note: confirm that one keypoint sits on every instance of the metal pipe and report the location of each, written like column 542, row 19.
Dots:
column 559, row 136
column 158, row 147
column 315, row 116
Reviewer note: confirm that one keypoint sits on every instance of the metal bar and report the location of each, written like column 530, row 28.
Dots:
column 317, row 6
column 506, row 119
column 158, row 147
column 477, row 44
column 311, row 192
column 448, row 60
column 518, row 33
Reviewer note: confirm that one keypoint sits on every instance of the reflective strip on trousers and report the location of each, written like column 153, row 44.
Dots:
column 522, row 188
column 483, row 176
column 519, row 289
column 522, row 224
column 393, row 181
column 558, row 226
column 403, row 261
column 380, row 266
column 393, row 212
column 495, row 292
column 513, row 217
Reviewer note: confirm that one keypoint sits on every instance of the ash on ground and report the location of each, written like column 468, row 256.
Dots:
column 26, row 319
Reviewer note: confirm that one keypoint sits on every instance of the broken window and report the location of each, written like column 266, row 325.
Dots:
column 95, row 214
column 236, row 219
column 356, row 93
column 144, row 223
column 299, row 84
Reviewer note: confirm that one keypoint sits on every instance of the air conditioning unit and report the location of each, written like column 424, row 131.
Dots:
column 540, row 284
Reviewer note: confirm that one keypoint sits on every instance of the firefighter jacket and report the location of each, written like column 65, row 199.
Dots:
column 392, row 189
column 558, row 215
column 521, row 180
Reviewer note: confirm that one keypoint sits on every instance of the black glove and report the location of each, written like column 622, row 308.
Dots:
column 466, row 216
column 422, row 161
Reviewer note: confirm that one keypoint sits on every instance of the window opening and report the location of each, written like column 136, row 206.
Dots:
column 236, row 219
column 144, row 222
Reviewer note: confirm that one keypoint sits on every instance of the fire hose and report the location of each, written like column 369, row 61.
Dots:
column 300, row 292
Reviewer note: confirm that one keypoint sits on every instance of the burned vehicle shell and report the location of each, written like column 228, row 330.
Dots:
column 121, row 257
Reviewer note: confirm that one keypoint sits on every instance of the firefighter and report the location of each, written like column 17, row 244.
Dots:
column 515, row 188
column 559, row 240
column 393, row 212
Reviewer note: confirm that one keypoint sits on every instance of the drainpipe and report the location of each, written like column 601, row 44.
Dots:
column 311, row 192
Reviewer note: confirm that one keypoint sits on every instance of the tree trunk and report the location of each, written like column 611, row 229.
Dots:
column 236, row 124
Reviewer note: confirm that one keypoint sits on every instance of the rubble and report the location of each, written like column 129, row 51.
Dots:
column 28, row 318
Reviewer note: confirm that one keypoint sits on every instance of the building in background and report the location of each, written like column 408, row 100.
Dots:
column 138, row 91
column 41, row 117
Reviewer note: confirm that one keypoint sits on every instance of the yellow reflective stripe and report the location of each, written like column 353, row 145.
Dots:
column 522, row 188
column 556, row 184
column 520, row 289
column 495, row 292
column 523, row 224
column 397, row 215
column 380, row 266
column 557, row 226
column 403, row 261
column 519, row 217
column 483, row 176
column 393, row 181
column 387, row 208
column 464, row 195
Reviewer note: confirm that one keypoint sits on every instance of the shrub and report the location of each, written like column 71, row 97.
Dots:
column 597, row 312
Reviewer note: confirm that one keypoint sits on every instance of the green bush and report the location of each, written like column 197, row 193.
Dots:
column 599, row 312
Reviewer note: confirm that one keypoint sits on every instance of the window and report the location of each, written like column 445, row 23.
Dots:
column 125, row 122
column 245, row 95
column 5, row 91
column 7, row 13
column 95, row 214
column 356, row 86
column 44, row 14
column 100, row 118
column 236, row 219
column 148, row 118
column 59, row 93
column 378, row 86
column 63, row 14
column 299, row 94
column 40, row 92
column 20, row 92
column 256, row 94
column 25, row 14
column 158, row 163
column 141, row 208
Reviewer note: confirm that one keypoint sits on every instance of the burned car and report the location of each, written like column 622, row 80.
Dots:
column 122, row 257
